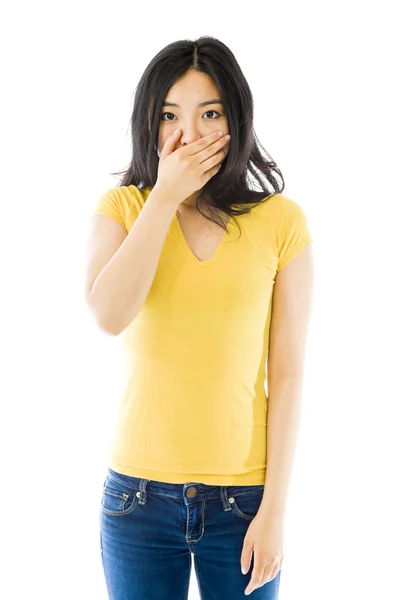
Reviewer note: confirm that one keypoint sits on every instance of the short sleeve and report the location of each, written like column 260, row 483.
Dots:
column 294, row 235
column 109, row 205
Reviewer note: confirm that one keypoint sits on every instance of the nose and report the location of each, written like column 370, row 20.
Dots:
column 189, row 135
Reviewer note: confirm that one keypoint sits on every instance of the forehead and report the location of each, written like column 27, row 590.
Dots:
column 193, row 87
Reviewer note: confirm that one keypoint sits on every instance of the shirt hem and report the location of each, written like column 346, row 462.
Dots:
column 253, row 478
column 294, row 254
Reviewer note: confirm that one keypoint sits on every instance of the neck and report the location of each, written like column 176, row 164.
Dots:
column 190, row 201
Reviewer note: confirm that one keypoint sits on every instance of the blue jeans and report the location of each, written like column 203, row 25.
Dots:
column 150, row 529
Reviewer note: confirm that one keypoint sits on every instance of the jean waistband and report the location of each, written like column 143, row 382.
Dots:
column 193, row 489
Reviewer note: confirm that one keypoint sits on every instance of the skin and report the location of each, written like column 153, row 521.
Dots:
column 291, row 310
column 195, row 121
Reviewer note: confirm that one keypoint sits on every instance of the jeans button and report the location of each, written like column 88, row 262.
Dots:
column 191, row 492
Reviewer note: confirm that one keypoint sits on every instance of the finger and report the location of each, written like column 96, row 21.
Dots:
column 256, row 575
column 169, row 145
column 203, row 142
column 254, row 583
column 264, row 578
column 269, row 576
column 245, row 559
column 273, row 574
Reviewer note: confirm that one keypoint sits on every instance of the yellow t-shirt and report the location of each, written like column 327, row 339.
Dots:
column 194, row 407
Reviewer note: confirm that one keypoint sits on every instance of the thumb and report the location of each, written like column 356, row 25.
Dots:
column 245, row 559
column 169, row 145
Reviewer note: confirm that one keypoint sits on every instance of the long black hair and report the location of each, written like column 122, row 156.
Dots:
column 229, row 191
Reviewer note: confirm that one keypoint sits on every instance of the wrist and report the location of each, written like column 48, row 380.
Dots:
column 166, row 197
column 272, row 508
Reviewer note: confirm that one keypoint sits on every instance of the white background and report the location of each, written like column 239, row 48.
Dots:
column 324, row 77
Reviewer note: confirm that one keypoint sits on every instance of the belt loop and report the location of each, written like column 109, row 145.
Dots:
column 224, row 498
column 142, row 493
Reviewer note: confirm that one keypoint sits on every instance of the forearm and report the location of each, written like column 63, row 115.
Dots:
column 284, row 404
column 122, row 286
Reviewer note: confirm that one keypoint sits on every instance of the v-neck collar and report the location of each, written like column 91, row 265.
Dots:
column 188, row 250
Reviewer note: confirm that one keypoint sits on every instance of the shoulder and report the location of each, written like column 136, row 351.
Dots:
column 281, row 213
column 280, row 225
column 278, row 206
column 121, row 203
column 294, row 231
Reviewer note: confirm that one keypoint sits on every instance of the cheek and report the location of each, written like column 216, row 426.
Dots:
column 224, row 124
column 226, row 150
column 162, row 138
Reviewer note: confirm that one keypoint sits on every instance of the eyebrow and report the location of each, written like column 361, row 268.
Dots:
column 213, row 101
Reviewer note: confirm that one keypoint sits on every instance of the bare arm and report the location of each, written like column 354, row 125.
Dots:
column 117, row 293
column 288, row 333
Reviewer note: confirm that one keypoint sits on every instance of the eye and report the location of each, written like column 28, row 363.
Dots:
column 213, row 111
column 169, row 113
column 166, row 113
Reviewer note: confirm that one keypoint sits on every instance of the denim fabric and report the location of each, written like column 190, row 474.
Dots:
column 149, row 531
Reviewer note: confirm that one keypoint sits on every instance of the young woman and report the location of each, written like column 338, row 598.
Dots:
column 209, row 280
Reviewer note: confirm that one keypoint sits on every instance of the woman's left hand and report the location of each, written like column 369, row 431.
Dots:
column 264, row 538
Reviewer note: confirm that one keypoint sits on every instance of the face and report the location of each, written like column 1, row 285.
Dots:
column 195, row 121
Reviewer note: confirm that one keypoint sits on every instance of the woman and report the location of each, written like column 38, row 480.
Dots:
column 201, row 311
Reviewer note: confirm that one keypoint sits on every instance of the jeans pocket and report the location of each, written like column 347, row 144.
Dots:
column 118, row 499
column 246, row 504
